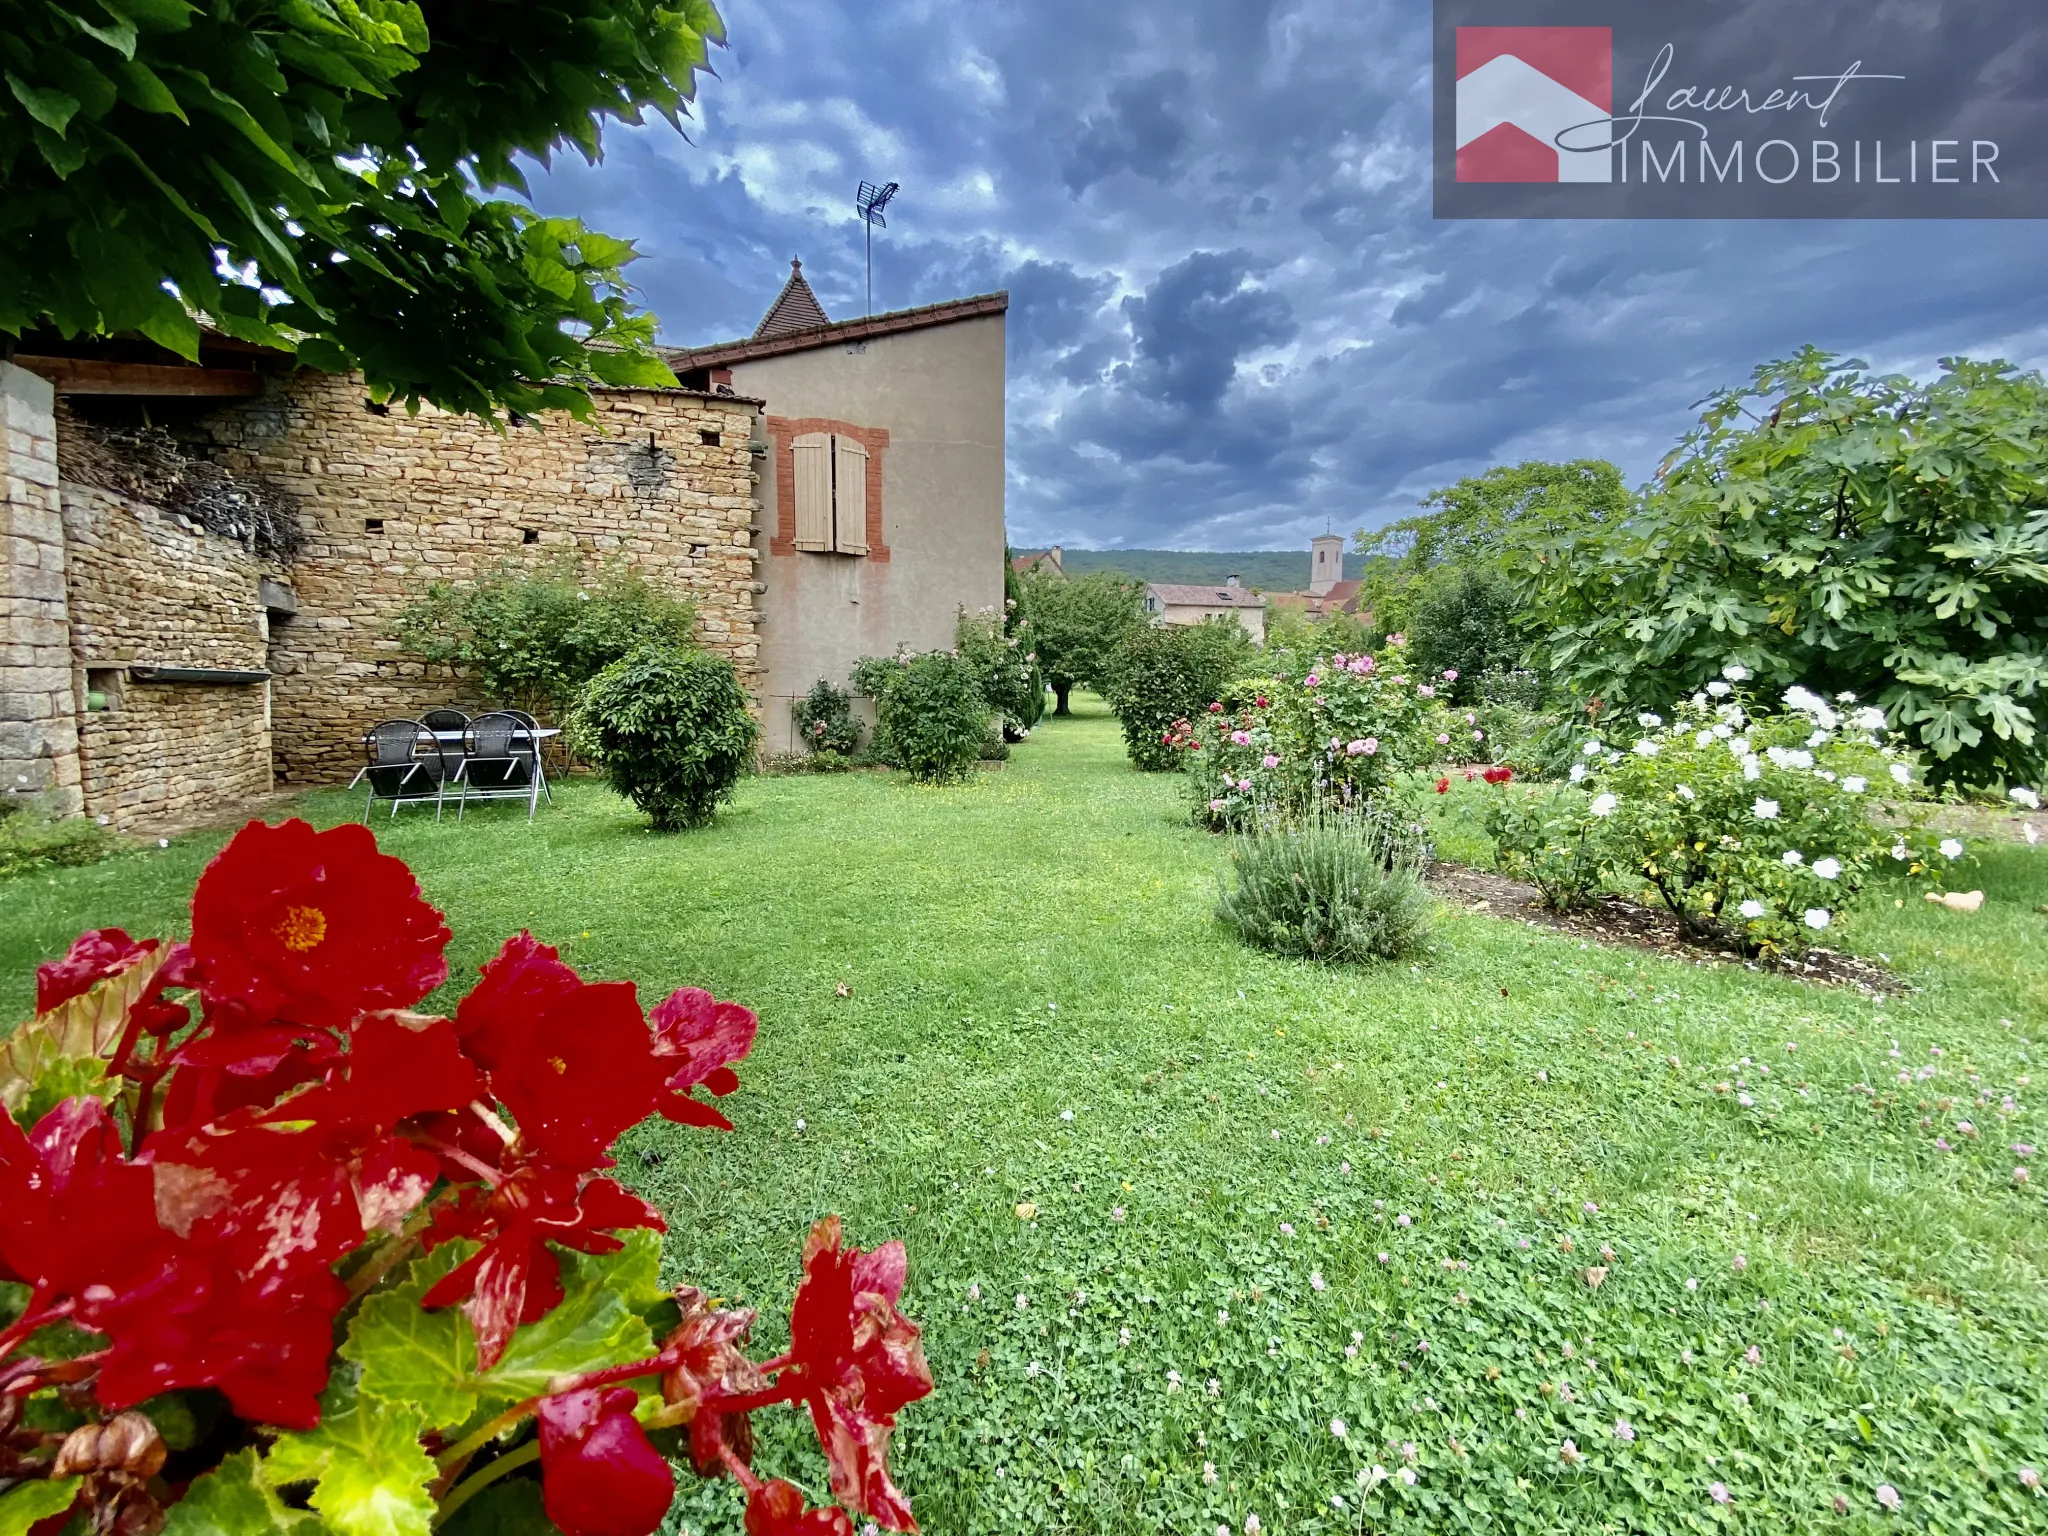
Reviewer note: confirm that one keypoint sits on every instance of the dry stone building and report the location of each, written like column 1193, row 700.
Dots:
column 201, row 567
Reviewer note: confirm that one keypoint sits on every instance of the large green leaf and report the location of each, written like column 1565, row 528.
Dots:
column 232, row 1501
column 600, row 1320
column 427, row 1359
column 369, row 1474
column 411, row 1355
column 23, row 1505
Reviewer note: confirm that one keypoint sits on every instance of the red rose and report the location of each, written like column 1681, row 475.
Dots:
column 313, row 927
column 1443, row 785
column 600, row 1476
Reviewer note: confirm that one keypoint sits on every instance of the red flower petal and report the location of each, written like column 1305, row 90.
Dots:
column 313, row 927
column 93, row 957
column 600, row 1476
column 777, row 1509
column 578, row 1073
column 516, row 985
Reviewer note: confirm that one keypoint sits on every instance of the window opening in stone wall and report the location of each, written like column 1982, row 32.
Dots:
column 529, row 535
column 708, row 438
column 373, row 525
column 102, row 689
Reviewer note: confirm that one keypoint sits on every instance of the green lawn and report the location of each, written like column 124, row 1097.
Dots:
column 1364, row 1196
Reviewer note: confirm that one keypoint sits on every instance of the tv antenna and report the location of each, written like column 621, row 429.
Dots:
column 871, row 200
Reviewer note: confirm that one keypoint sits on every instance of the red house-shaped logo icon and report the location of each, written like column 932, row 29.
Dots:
column 1521, row 87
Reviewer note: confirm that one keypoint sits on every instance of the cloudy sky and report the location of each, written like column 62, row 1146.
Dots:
column 1233, row 319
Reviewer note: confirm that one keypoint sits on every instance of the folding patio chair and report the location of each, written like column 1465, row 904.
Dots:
column 500, row 761
column 540, row 755
column 404, row 766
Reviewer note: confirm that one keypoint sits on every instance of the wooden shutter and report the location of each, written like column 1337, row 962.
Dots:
column 813, row 457
column 850, row 496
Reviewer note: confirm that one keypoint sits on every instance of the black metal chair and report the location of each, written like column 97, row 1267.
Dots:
column 541, row 752
column 500, row 761
column 438, row 720
column 403, row 766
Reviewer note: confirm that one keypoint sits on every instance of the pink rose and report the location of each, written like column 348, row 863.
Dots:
column 1272, row 761
column 1450, row 674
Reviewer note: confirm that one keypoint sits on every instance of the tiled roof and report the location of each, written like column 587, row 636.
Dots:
column 1183, row 596
column 831, row 333
column 796, row 308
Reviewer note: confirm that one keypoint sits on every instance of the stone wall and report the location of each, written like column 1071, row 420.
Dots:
column 391, row 502
column 38, row 710
column 149, row 588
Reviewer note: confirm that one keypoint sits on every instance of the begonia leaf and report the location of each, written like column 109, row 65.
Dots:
column 598, row 1322
column 83, row 1029
column 26, row 1503
column 411, row 1355
column 369, row 1474
column 232, row 1501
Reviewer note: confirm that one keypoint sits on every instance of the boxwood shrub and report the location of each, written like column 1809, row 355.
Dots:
column 671, row 731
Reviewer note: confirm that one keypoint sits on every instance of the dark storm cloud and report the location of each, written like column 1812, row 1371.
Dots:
column 1232, row 316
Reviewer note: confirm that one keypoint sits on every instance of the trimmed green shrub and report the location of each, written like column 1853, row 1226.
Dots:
column 1166, row 673
column 671, row 731
column 824, row 720
column 30, row 840
column 934, row 717
column 1344, row 888
column 532, row 639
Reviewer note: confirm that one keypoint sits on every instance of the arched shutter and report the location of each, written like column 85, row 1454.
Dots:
column 813, row 456
column 850, row 494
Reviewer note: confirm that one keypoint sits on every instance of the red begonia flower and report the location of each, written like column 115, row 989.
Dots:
column 514, row 1279
column 578, row 1072
column 225, row 1068
column 697, row 1038
column 599, row 1474
column 80, row 1222
column 398, row 1065
column 777, row 1509
column 515, row 985
column 313, row 927
column 707, row 1363
column 73, row 1211
column 859, row 1361
column 200, row 1325
column 93, row 957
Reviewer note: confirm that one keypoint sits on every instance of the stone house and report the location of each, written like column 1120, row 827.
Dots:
column 201, row 566
column 1172, row 602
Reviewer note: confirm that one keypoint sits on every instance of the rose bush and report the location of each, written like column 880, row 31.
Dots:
column 1754, row 829
column 314, row 1261
column 1331, row 731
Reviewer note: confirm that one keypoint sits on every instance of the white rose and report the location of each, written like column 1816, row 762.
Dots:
column 1855, row 784
column 1603, row 805
column 1704, row 739
column 1752, row 769
column 1685, row 792
column 1899, row 852
column 1765, row 810
column 1718, row 689
column 1647, row 748
column 1578, row 772
column 1951, row 849
column 2026, row 797
column 1870, row 718
column 1752, row 909
column 1649, row 721
column 1901, row 774
column 1792, row 858
column 1735, row 672
column 1591, row 748
column 1818, row 918
column 1827, row 869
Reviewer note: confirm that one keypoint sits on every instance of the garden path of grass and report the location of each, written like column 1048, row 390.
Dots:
column 1043, row 1009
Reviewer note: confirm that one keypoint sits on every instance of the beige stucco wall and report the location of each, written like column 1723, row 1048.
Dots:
column 939, row 394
